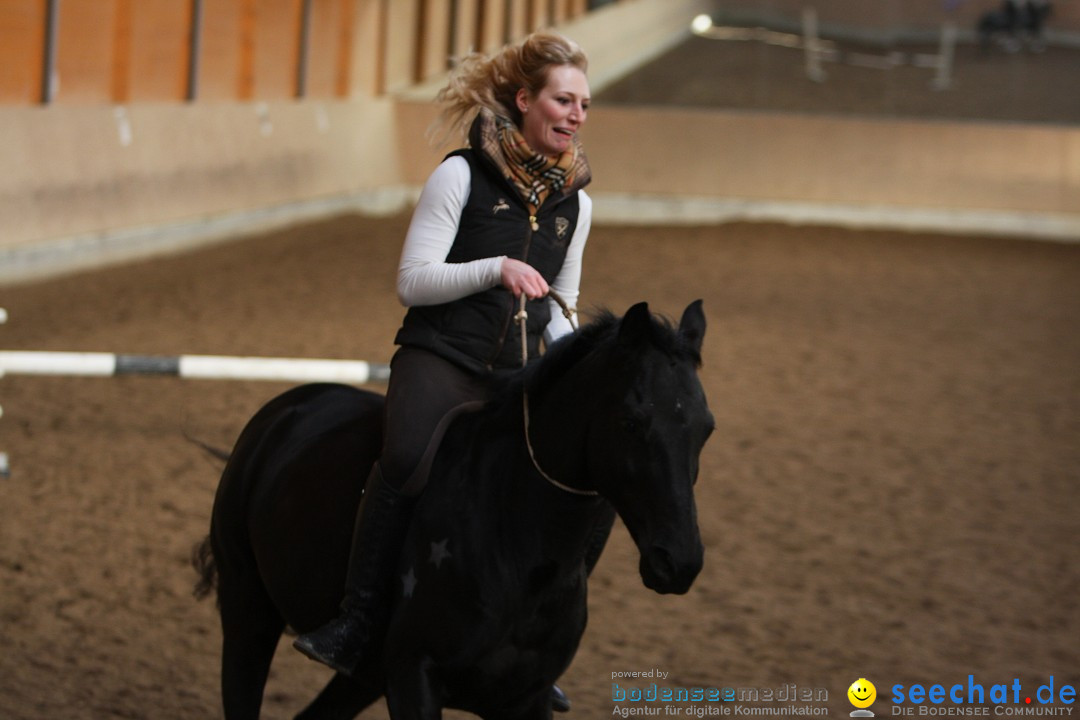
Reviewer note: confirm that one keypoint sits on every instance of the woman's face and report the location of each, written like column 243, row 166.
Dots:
column 551, row 118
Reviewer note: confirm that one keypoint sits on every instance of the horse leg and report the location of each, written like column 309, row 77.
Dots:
column 251, row 628
column 342, row 699
column 410, row 695
column 539, row 708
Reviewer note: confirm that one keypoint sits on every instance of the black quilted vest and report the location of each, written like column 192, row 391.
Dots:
column 478, row 332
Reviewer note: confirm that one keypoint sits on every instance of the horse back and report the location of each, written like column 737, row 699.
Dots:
column 286, row 504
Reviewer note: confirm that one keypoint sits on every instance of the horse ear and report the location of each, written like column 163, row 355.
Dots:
column 692, row 325
column 634, row 327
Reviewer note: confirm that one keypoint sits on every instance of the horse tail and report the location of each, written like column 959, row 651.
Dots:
column 202, row 559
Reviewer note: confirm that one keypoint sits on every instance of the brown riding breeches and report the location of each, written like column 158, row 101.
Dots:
column 424, row 394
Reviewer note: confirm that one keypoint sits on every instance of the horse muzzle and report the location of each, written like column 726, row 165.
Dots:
column 671, row 574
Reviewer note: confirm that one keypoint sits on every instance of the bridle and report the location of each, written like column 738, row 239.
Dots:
column 522, row 316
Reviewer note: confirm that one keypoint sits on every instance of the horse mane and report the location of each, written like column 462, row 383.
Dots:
column 600, row 332
column 569, row 350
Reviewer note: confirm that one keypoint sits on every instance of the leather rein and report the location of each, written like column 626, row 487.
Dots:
column 522, row 316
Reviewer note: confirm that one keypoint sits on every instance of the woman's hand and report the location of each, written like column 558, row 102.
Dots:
column 519, row 277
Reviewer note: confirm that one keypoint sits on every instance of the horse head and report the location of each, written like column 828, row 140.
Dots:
column 659, row 423
column 640, row 419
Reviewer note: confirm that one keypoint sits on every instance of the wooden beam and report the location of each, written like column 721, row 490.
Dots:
column 303, row 47
column 194, row 52
column 48, row 63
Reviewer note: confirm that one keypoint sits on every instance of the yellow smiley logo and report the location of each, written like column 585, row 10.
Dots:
column 862, row 693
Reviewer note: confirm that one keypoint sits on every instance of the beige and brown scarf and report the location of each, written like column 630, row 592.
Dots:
column 535, row 176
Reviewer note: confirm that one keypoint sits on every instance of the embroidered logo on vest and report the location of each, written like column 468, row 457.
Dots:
column 561, row 226
column 501, row 205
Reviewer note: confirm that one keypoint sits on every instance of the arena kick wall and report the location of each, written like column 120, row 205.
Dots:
column 120, row 168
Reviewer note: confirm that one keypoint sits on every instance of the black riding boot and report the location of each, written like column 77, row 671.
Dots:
column 356, row 635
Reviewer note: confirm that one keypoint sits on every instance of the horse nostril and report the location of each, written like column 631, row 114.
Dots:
column 662, row 572
column 664, row 564
column 658, row 569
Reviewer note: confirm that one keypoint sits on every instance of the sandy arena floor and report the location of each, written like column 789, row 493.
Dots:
column 891, row 491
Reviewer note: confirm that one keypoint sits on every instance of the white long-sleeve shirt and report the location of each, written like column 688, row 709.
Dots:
column 425, row 278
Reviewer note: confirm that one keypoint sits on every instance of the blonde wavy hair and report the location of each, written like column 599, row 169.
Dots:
column 481, row 81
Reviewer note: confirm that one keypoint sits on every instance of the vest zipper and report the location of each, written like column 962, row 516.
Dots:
column 533, row 226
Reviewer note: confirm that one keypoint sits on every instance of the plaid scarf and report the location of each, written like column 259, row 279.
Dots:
column 534, row 175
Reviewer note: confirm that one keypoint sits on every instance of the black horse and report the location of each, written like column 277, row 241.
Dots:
column 491, row 603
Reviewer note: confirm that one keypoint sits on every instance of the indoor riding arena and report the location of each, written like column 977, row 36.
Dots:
column 878, row 207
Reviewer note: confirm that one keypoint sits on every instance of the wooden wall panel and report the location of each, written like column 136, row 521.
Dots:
column 343, row 58
column 539, row 14
column 158, row 64
column 401, row 51
column 275, row 48
column 367, row 61
column 560, row 11
column 492, row 25
column 466, row 28
column 22, row 49
column 434, row 38
column 324, row 47
column 128, row 51
column 137, row 50
column 84, row 58
column 120, row 67
column 517, row 20
column 220, row 61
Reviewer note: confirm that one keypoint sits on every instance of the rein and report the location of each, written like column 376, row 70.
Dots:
column 521, row 317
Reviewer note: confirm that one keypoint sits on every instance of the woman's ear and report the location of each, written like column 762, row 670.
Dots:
column 522, row 99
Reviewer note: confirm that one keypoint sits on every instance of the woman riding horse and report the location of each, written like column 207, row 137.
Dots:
column 503, row 218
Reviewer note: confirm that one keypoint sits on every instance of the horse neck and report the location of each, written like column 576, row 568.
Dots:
column 551, row 521
column 558, row 429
